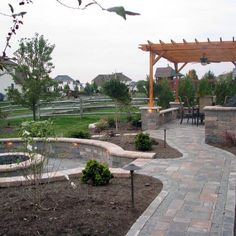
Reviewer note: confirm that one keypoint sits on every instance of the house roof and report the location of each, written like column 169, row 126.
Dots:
column 102, row 78
column 165, row 72
column 63, row 78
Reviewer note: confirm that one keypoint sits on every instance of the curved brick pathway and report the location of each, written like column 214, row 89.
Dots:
column 198, row 197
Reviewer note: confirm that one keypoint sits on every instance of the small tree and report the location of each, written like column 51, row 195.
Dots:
column 205, row 88
column 187, row 90
column 88, row 89
column 66, row 89
column 118, row 92
column 164, row 94
column 32, row 73
column 225, row 87
column 142, row 87
column 192, row 74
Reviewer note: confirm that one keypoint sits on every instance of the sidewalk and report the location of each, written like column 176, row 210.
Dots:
column 198, row 196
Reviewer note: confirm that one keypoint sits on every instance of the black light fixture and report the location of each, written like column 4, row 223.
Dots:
column 132, row 167
column 204, row 60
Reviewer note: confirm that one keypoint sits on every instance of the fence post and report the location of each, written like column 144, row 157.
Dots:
column 81, row 107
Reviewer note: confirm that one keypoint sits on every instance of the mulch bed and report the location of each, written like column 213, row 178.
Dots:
column 86, row 210
column 127, row 141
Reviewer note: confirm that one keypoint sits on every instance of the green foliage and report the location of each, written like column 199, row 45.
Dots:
column 79, row 134
column 155, row 88
column 186, row 90
column 192, row 74
column 164, row 94
column 136, row 120
column 225, row 87
column 111, row 122
column 32, row 73
column 143, row 142
column 117, row 91
column 88, row 89
column 209, row 75
column 40, row 129
column 205, row 88
column 96, row 173
column 142, row 87
column 101, row 125
column 3, row 115
column 66, row 89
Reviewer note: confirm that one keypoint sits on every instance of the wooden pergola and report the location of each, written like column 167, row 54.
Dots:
column 186, row 52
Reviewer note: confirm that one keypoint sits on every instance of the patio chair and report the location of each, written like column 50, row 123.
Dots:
column 185, row 113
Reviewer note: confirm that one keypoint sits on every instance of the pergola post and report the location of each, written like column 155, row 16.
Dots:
column 151, row 62
column 176, row 83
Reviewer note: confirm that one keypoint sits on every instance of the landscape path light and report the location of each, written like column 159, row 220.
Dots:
column 132, row 167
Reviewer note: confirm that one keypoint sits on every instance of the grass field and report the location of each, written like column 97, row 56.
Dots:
column 62, row 125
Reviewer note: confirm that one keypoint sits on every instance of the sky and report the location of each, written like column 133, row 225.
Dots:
column 93, row 41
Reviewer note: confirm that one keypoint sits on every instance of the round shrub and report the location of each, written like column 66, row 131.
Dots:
column 111, row 122
column 96, row 173
column 136, row 121
column 79, row 134
column 101, row 125
column 143, row 142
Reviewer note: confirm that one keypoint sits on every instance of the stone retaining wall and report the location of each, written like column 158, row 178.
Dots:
column 218, row 121
column 152, row 118
column 167, row 115
column 102, row 151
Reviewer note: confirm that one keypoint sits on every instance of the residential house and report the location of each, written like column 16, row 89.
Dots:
column 102, row 78
column 67, row 80
column 6, row 79
column 166, row 73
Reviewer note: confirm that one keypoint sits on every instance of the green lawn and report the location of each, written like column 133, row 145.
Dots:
column 62, row 125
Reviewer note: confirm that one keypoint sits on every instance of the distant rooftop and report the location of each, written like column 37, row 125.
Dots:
column 64, row 78
column 102, row 78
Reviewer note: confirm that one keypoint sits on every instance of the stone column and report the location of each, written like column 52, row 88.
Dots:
column 220, row 122
column 177, row 104
column 149, row 117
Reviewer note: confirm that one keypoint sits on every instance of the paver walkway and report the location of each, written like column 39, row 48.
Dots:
column 198, row 197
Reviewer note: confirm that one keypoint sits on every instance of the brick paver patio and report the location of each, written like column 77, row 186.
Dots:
column 198, row 197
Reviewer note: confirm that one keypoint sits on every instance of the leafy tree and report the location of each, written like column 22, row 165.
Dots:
column 94, row 87
column 164, row 94
column 32, row 73
column 209, row 75
column 205, row 88
column 142, row 87
column 66, row 89
column 225, row 87
column 88, row 89
column 192, row 74
column 187, row 90
column 211, row 79
column 118, row 92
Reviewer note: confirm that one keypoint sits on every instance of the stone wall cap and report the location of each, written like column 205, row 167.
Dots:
column 219, row 108
column 152, row 108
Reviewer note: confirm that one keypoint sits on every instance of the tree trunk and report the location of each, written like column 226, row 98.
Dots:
column 34, row 112
column 116, row 116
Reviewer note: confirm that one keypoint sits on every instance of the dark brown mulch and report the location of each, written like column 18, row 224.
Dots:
column 86, row 210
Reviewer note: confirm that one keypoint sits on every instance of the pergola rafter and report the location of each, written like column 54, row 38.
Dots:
column 186, row 52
